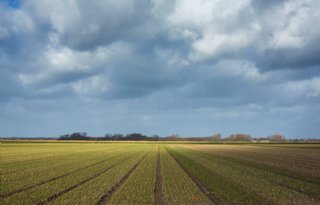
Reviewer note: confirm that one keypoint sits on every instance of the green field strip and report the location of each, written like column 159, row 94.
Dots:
column 34, row 167
column 53, row 179
column 269, row 191
column 47, row 157
column 35, row 164
column 42, row 192
column 27, row 152
column 50, row 164
column 213, row 198
column 62, row 192
column 178, row 187
column 227, row 191
column 139, row 187
column 92, row 192
column 20, row 181
column 68, row 151
column 307, row 188
column 130, row 173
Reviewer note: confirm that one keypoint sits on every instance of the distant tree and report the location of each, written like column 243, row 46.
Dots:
column 239, row 137
column 216, row 137
column 108, row 135
column 64, row 137
column 135, row 136
column 117, row 137
column 76, row 136
column 277, row 138
column 155, row 137
column 174, row 137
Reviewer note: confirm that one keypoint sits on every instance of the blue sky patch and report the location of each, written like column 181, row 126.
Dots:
column 12, row 3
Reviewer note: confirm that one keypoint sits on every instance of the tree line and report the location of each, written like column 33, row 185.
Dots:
column 109, row 137
column 141, row 137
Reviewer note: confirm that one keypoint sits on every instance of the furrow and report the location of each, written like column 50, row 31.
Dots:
column 60, row 193
column 158, row 189
column 51, row 180
column 106, row 197
column 214, row 199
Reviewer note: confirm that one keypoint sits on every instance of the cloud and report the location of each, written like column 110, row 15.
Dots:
column 65, row 65
column 84, row 25
column 304, row 88
column 203, row 66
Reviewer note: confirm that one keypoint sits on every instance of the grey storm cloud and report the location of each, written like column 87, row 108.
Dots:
column 160, row 66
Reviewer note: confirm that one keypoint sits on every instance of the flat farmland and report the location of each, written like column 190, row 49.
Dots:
column 159, row 173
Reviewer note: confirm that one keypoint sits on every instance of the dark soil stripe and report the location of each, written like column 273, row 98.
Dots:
column 274, row 181
column 205, row 190
column 267, row 200
column 254, row 174
column 158, row 189
column 314, row 196
column 60, row 193
column 51, row 180
column 276, row 170
column 106, row 197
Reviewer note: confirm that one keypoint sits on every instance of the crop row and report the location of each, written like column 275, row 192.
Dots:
column 261, row 157
column 233, row 182
column 131, row 173
column 23, row 153
column 61, row 167
column 177, row 185
column 74, row 180
column 49, row 158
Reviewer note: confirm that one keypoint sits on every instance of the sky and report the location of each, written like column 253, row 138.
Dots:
column 188, row 67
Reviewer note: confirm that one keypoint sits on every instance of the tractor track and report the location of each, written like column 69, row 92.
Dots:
column 62, row 192
column 52, row 179
column 158, row 189
column 213, row 199
column 106, row 197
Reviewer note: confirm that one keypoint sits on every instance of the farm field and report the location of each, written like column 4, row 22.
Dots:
column 152, row 173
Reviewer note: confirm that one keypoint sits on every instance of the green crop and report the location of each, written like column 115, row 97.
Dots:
column 158, row 173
